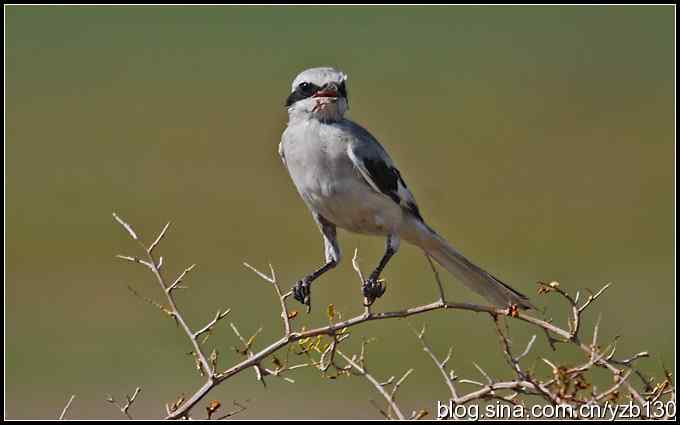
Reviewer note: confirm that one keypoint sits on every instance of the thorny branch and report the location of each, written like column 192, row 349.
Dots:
column 378, row 386
column 155, row 267
column 129, row 401
column 564, row 385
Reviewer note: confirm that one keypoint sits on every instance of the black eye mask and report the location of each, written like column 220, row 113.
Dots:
column 342, row 90
column 305, row 90
column 302, row 91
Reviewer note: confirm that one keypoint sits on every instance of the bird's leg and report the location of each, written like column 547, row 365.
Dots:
column 302, row 289
column 374, row 287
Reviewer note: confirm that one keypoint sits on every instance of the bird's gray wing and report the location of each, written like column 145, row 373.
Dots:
column 379, row 171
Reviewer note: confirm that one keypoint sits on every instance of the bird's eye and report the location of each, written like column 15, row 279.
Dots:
column 306, row 87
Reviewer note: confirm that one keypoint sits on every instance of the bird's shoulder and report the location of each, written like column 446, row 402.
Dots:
column 377, row 167
column 360, row 141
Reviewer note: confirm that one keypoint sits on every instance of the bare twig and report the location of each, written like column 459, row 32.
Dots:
column 208, row 327
column 441, row 365
column 129, row 401
column 180, row 278
column 395, row 388
column 160, row 237
column 68, row 405
column 362, row 371
column 442, row 296
column 127, row 227
column 167, row 290
column 248, row 352
column 282, row 297
column 357, row 269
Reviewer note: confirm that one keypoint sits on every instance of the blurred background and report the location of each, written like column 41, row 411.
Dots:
column 538, row 140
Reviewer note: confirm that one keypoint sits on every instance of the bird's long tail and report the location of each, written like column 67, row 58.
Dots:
column 471, row 275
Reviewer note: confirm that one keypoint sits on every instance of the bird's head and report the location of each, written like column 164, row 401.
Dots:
column 319, row 93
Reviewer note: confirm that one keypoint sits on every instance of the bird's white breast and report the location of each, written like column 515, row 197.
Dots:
column 326, row 178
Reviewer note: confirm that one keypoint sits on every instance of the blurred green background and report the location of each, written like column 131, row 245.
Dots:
column 539, row 140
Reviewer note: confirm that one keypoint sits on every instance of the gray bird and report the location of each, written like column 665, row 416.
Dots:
column 348, row 180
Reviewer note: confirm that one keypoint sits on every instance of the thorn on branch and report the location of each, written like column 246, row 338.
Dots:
column 486, row 375
column 126, row 226
column 262, row 275
column 442, row 296
column 66, row 407
column 594, row 297
column 134, row 260
column 396, row 387
column 159, row 238
column 208, row 327
column 180, row 279
column 124, row 408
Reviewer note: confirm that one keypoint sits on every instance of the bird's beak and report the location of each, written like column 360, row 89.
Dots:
column 329, row 90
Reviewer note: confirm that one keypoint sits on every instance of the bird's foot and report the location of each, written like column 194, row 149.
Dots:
column 302, row 291
column 373, row 288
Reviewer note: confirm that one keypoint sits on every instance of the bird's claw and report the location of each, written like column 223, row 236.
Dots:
column 302, row 291
column 373, row 288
